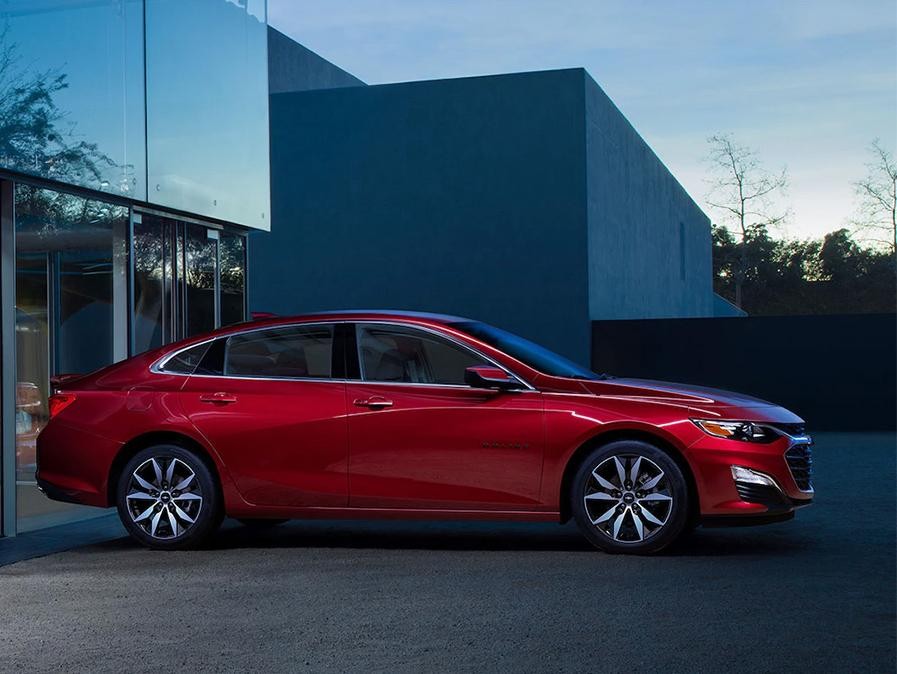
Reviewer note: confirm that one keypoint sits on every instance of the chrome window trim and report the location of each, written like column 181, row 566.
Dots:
column 158, row 366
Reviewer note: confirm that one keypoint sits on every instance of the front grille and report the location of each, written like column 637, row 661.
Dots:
column 794, row 430
column 800, row 462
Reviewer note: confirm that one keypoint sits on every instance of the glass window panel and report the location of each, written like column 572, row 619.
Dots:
column 233, row 278
column 149, row 284
column 201, row 267
column 85, row 310
column 397, row 355
column 65, row 301
column 291, row 352
column 71, row 92
column 186, row 361
column 207, row 108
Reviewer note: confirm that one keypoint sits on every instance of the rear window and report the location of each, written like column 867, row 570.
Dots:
column 186, row 361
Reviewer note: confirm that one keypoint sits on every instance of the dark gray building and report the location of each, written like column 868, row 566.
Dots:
column 525, row 200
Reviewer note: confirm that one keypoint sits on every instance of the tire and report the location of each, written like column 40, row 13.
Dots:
column 259, row 524
column 155, row 511
column 639, row 516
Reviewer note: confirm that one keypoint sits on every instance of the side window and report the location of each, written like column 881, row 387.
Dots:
column 405, row 355
column 290, row 352
column 187, row 360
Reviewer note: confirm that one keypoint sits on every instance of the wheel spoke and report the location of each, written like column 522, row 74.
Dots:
column 600, row 496
column 157, row 470
column 141, row 496
column 633, row 472
column 146, row 513
column 187, row 497
column 143, row 483
column 154, row 523
column 639, row 527
column 656, row 497
column 183, row 515
column 169, row 472
column 617, row 524
column 648, row 515
column 184, row 483
column 604, row 483
column 606, row 516
column 173, row 522
column 650, row 484
column 621, row 472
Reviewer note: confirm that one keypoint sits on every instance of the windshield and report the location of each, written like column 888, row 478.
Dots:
column 537, row 357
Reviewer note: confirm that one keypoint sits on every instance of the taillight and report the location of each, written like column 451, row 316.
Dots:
column 59, row 401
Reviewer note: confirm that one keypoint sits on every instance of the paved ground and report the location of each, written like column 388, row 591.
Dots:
column 815, row 593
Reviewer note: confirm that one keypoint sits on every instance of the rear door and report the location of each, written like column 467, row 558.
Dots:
column 272, row 403
column 420, row 438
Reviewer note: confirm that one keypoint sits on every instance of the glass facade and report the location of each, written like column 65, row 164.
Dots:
column 124, row 125
column 72, row 83
column 94, row 282
column 207, row 108
column 160, row 101
column 66, row 290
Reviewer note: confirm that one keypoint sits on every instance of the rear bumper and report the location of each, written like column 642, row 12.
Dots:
column 57, row 493
column 73, row 464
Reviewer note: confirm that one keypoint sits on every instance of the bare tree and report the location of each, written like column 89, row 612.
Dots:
column 876, row 220
column 744, row 193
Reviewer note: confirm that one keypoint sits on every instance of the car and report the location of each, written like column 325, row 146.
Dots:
column 401, row 415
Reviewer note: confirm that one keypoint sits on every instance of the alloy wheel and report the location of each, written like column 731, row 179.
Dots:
column 627, row 498
column 164, row 497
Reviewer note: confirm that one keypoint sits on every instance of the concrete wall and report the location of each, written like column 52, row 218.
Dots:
column 649, row 243
column 463, row 196
column 292, row 67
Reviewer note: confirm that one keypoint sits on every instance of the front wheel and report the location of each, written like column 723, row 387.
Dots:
column 168, row 498
column 630, row 497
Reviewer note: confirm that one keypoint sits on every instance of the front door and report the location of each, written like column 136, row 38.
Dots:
column 420, row 438
column 275, row 415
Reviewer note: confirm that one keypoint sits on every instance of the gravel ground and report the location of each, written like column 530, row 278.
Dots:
column 816, row 592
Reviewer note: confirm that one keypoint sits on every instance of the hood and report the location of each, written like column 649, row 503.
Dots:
column 700, row 399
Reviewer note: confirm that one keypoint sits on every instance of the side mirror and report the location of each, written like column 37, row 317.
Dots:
column 486, row 376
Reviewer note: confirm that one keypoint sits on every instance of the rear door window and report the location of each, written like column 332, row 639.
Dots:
column 289, row 352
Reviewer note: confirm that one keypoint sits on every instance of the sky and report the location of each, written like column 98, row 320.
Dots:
column 806, row 84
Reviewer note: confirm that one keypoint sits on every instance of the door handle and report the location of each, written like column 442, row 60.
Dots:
column 220, row 398
column 373, row 403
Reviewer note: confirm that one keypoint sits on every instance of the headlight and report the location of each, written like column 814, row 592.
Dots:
column 746, row 431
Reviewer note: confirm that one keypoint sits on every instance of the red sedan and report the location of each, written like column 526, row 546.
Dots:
column 400, row 415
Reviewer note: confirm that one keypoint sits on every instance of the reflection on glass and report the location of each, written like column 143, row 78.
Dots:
column 71, row 92
column 233, row 278
column 147, row 326
column 207, row 108
column 201, row 267
column 32, row 358
column 64, row 308
column 85, row 310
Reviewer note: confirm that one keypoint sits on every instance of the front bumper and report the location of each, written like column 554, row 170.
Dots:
column 786, row 460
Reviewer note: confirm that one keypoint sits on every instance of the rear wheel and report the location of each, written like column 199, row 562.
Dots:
column 631, row 497
column 168, row 498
